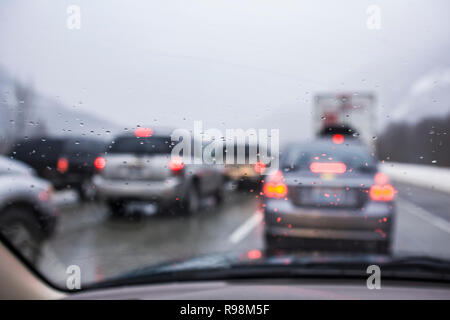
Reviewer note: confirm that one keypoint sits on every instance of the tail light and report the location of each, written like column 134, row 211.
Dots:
column 338, row 138
column 176, row 164
column 254, row 254
column 275, row 186
column 45, row 195
column 382, row 190
column 260, row 167
column 382, row 193
column 143, row 132
column 99, row 163
column 62, row 165
column 328, row 167
column 381, row 178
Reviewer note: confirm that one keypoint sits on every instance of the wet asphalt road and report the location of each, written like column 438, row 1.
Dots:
column 103, row 247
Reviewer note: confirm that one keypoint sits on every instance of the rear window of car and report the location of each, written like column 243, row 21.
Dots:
column 250, row 153
column 37, row 150
column 356, row 158
column 151, row 145
column 83, row 147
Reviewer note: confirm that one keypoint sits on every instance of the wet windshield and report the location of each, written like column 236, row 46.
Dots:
column 141, row 145
column 189, row 134
column 355, row 158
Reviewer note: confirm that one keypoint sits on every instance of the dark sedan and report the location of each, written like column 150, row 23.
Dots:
column 328, row 191
column 67, row 162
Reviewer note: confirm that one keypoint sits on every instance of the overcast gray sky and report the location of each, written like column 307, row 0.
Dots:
column 232, row 63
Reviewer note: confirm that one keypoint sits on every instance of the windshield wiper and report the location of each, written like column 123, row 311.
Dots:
column 419, row 262
column 218, row 267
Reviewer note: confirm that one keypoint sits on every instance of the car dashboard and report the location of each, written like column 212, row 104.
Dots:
column 273, row 289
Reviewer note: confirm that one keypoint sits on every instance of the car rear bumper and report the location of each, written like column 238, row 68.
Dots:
column 166, row 190
column 239, row 172
column 72, row 179
column 372, row 222
column 332, row 234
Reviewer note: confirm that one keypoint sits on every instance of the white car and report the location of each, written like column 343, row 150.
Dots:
column 27, row 215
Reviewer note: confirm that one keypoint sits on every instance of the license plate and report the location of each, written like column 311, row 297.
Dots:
column 328, row 196
column 135, row 172
column 148, row 209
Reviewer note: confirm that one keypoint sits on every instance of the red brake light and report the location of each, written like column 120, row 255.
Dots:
column 143, row 132
column 62, row 165
column 275, row 186
column 99, row 163
column 338, row 138
column 381, row 178
column 254, row 254
column 260, row 167
column 273, row 190
column 43, row 196
column 328, row 167
column 176, row 164
column 382, row 192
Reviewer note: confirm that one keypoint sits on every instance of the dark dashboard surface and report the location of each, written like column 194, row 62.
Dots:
column 273, row 290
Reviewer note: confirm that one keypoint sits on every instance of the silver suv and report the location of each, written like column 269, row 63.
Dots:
column 139, row 168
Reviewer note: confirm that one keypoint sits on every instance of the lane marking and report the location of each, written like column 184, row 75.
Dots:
column 244, row 229
column 426, row 215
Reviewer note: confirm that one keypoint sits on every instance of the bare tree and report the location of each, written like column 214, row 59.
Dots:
column 24, row 96
column 425, row 142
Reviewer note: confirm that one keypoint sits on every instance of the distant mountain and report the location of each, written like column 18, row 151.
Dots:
column 62, row 120
column 38, row 115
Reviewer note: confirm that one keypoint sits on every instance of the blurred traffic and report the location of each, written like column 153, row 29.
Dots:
column 326, row 195
column 306, row 144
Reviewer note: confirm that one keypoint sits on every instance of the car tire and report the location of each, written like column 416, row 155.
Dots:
column 116, row 208
column 191, row 203
column 242, row 185
column 270, row 241
column 219, row 195
column 21, row 227
column 87, row 191
column 384, row 247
